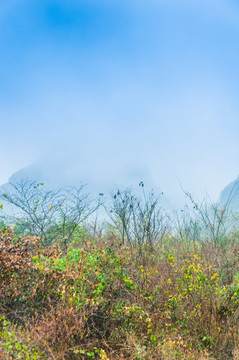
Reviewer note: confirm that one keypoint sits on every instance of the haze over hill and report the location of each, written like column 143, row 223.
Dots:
column 60, row 175
column 121, row 91
column 230, row 195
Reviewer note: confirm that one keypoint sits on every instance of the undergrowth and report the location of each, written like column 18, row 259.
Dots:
column 177, row 300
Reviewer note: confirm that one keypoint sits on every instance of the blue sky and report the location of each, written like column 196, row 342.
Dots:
column 130, row 90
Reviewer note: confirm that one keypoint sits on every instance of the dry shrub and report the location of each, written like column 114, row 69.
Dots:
column 236, row 353
column 62, row 331
column 105, row 303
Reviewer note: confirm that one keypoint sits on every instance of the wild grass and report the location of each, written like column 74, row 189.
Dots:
column 109, row 301
column 141, row 286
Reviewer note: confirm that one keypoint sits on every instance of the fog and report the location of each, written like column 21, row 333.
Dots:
column 119, row 92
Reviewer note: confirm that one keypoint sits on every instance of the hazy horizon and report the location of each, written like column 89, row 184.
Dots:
column 122, row 90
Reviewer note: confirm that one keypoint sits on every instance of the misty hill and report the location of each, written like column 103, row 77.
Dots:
column 57, row 175
column 230, row 195
column 62, row 174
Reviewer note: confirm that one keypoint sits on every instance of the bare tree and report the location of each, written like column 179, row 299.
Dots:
column 140, row 220
column 149, row 220
column 120, row 212
column 50, row 214
column 77, row 207
column 213, row 220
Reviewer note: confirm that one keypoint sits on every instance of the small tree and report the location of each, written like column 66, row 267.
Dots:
column 49, row 214
column 140, row 219
column 210, row 221
column 149, row 221
column 121, row 212
column 74, row 211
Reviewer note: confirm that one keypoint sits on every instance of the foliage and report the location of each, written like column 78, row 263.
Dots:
column 98, row 302
column 14, row 347
column 160, row 295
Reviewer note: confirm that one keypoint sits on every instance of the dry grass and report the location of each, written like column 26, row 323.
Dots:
column 109, row 302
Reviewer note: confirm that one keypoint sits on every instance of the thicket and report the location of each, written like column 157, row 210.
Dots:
column 138, row 286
